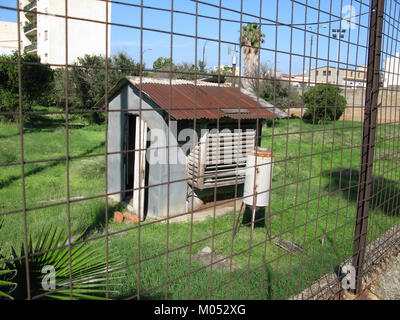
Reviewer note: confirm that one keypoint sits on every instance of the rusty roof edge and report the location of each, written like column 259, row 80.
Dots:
column 166, row 81
column 265, row 104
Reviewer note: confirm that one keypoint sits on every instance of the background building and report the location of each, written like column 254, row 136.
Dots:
column 297, row 81
column 43, row 29
column 8, row 37
column 392, row 71
column 342, row 77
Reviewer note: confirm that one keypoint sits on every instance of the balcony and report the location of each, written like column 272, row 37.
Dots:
column 30, row 29
column 32, row 48
column 30, row 8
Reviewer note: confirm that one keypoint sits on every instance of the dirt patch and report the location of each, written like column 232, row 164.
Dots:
column 387, row 284
column 218, row 261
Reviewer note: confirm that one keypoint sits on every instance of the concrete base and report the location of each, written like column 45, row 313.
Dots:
column 208, row 210
column 200, row 213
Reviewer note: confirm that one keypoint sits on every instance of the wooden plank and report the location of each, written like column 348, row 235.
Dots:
column 232, row 134
column 207, row 185
column 232, row 142
column 214, row 160
column 225, row 169
column 236, row 148
column 225, row 174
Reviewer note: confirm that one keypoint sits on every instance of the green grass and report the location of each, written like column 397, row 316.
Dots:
column 314, row 193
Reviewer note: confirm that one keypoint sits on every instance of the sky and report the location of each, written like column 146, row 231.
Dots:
column 283, row 46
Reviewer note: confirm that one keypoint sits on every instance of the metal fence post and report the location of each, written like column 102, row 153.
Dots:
column 368, row 138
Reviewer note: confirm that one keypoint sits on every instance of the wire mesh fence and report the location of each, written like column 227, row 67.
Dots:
column 197, row 149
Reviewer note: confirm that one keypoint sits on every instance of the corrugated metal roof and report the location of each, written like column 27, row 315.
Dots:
column 189, row 101
column 186, row 99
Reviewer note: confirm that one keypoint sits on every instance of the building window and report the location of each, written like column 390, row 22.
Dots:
column 329, row 73
column 324, row 73
column 46, row 58
column 46, row 35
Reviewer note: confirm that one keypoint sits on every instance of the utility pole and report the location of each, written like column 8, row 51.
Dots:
column 204, row 53
column 338, row 34
column 309, row 68
column 313, row 29
column 234, row 62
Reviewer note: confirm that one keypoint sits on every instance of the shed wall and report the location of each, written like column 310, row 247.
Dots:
column 162, row 196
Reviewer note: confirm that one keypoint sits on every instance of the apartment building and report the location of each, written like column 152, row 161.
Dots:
column 43, row 28
column 8, row 37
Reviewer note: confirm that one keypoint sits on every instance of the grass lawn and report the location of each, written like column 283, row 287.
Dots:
column 314, row 193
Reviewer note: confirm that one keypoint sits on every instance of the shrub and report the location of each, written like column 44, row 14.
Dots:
column 324, row 103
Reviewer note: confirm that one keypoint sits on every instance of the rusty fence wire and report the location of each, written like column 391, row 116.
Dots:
column 221, row 149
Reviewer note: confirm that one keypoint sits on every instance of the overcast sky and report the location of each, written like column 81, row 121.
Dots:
column 291, row 44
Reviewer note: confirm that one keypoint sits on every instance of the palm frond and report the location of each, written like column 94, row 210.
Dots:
column 82, row 263
column 6, row 285
column 6, row 275
column 251, row 37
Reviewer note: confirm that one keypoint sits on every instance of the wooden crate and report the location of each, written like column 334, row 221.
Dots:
column 219, row 159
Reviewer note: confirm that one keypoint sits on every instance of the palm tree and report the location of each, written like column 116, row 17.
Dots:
column 251, row 39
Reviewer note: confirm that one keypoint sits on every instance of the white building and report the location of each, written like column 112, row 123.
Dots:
column 297, row 81
column 8, row 37
column 351, row 78
column 43, row 28
column 392, row 71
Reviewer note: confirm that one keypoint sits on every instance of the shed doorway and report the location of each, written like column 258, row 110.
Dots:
column 129, row 156
column 136, row 167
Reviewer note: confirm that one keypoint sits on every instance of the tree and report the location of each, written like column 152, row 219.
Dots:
column 185, row 71
column 87, row 81
column 276, row 91
column 162, row 64
column 251, row 39
column 36, row 81
column 167, row 69
column 202, row 66
column 123, row 65
column 324, row 103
